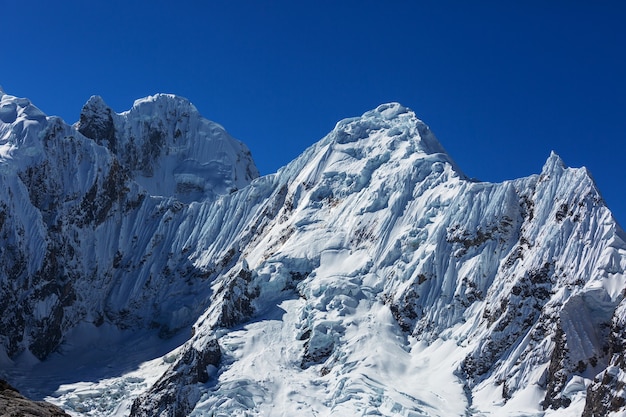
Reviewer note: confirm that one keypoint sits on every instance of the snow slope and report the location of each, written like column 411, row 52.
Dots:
column 169, row 148
column 369, row 276
column 82, row 228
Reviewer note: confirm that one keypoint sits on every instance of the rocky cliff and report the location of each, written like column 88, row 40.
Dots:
column 369, row 276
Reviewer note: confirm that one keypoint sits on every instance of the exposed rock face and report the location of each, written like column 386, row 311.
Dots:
column 13, row 404
column 607, row 394
column 368, row 276
column 81, row 213
column 168, row 148
column 96, row 122
column 173, row 395
column 376, row 212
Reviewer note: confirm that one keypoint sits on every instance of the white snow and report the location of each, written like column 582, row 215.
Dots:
column 196, row 158
column 382, row 281
column 99, row 370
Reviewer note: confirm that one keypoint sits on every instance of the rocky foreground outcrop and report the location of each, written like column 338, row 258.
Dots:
column 13, row 404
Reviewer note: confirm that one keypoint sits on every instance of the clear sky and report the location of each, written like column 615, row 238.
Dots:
column 501, row 83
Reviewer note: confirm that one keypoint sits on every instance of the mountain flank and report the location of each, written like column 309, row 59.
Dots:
column 147, row 269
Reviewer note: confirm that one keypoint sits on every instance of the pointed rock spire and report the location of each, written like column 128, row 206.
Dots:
column 554, row 164
column 96, row 122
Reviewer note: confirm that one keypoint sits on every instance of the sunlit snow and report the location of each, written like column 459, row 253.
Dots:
column 369, row 276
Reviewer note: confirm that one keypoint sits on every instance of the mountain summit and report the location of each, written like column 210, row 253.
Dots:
column 369, row 276
column 169, row 148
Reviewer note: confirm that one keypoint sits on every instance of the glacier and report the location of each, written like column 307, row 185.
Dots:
column 148, row 270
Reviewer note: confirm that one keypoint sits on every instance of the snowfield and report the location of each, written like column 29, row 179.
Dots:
column 149, row 271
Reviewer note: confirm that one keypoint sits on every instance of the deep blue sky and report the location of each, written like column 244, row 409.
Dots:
column 500, row 83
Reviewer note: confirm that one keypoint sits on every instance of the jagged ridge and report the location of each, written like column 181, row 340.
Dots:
column 369, row 275
column 79, row 218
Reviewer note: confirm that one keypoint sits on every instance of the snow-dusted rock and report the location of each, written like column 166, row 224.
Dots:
column 168, row 148
column 369, row 276
column 12, row 403
column 83, row 231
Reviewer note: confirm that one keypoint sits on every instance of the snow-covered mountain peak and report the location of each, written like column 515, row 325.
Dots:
column 389, row 111
column 13, row 108
column 96, row 122
column 93, row 107
column 399, row 122
column 389, row 142
column 20, row 126
column 95, row 102
column 392, row 132
column 163, row 100
column 169, row 148
column 569, row 178
column 369, row 276
column 553, row 164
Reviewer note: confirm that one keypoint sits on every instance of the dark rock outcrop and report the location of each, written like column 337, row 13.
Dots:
column 173, row 395
column 13, row 404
